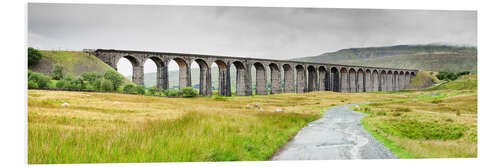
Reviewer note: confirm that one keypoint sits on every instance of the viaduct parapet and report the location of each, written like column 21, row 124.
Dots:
column 286, row 76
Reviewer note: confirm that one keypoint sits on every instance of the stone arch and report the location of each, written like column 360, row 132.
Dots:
column 137, row 68
column 260, row 79
column 301, row 78
column 360, row 81
column 395, row 82
column 407, row 80
column 324, row 79
column 240, row 78
column 223, row 77
column 275, row 78
column 312, row 78
column 161, row 72
column 205, row 78
column 335, row 79
column 383, row 80
column 352, row 80
column 401, row 80
column 389, row 82
column 375, row 81
column 184, row 72
column 288, row 79
column 344, row 80
column 368, row 81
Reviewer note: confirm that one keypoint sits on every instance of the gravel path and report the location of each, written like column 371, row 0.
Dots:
column 338, row 135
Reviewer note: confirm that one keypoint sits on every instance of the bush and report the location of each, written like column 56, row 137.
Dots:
column 115, row 78
column 165, row 92
column 41, row 80
column 62, row 84
column 57, row 72
column 34, row 56
column 450, row 76
column 129, row 88
column 140, row 89
column 97, row 84
column 32, row 84
column 174, row 92
column 77, row 83
column 107, row 85
column 91, row 76
column 188, row 92
column 155, row 91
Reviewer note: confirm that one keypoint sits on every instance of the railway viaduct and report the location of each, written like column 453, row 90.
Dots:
column 286, row 76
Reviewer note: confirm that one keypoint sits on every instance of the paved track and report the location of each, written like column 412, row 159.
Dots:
column 338, row 135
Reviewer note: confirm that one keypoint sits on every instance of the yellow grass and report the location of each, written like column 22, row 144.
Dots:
column 109, row 127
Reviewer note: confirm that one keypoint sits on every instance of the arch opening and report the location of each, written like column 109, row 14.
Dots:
column 275, row 78
column 288, row 79
column 301, row 79
column 360, row 80
column 352, row 80
column 312, row 79
column 260, row 79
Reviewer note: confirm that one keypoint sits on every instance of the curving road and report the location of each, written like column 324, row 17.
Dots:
column 338, row 135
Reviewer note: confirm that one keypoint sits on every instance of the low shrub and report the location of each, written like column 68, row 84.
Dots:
column 174, row 92
column 91, row 76
column 165, row 92
column 188, row 92
column 129, row 88
column 41, row 80
column 32, row 84
column 155, row 91
column 62, row 84
column 140, row 89
column 107, row 85
column 77, row 83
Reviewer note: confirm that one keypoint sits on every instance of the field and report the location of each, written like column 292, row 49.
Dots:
column 440, row 122
column 109, row 127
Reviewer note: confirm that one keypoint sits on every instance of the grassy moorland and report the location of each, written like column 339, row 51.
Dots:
column 110, row 127
column 440, row 122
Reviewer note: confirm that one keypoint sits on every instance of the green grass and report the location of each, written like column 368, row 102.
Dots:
column 73, row 62
column 94, row 129
column 436, row 123
column 167, row 140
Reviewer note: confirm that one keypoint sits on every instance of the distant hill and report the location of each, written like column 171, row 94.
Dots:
column 421, row 57
column 73, row 62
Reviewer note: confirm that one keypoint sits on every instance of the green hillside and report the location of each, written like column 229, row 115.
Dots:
column 421, row 57
column 73, row 62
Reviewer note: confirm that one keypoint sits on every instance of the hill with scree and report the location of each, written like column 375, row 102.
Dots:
column 421, row 57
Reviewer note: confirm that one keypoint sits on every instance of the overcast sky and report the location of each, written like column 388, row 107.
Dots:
column 275, row 33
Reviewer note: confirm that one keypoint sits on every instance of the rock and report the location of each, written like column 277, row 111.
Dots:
column 65, row 104
column 279, row 110
column 116, row 102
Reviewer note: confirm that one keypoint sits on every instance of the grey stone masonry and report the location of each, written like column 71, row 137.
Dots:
column 285, row 76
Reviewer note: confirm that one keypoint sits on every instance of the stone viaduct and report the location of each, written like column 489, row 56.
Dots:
column 298, row 77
